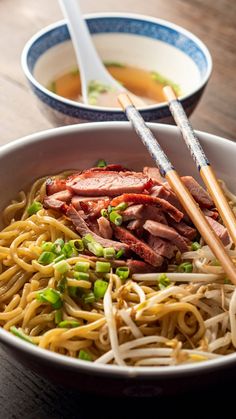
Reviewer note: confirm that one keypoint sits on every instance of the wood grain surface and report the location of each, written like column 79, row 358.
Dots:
column 23, row 394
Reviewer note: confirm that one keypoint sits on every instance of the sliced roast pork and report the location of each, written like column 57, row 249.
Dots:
column 220, row 230
column 83, row 229
column 143, row 212
column 109, row 183
column 183, row 229
column 153, row 173
column 55, row 185
column 144, row 199
column 199, row 194
column 162, row 247
column 138, row 246
column 166, row 232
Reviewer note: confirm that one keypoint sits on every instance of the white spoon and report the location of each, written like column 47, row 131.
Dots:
column 93, row 73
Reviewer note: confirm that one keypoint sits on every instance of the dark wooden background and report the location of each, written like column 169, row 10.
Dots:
column 22, row 393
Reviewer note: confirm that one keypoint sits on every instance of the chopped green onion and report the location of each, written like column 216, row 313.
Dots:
column 34, row 207
column 113, row 64
column 95, row 248
column 69, row 323
column 62, row 267
column 92, row 245
column 185, row 267
column 100, row 288
column 51, row 296
column 195, row 246
column 123, row 272
column 57, row 246
column 121, row 207
column 84, row 355
column 163, row 281
column 120, row 253
column 89, row 297
column 78, row 244
column 47, row 246
column 103, row 267
column 109, row 209
column 82, row 276
column 17, row 332
column 73, row 291
column 59, row 258
column 46, row 258
column 69, row 250
column 115, row 218
column 82, row 266
column 104, row 213
column 61, row 286
column 109, row 252
column 58, row 316
column 101, row 163
column 88, row 238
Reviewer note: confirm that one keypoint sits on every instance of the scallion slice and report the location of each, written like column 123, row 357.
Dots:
column 68, row 324
column 17, row 332
column 84, row 355
column 185, row 267
column 61, row 286
column 78, row 244
column 46, row 258
column 47, row 246
column 195, row 246
column 104, row 213
column 115, row 218
column 82, row 266
column 109, row 252
column 121, row 207
column 163, row 281
column 51, row 296
column 123, row 272
column 57, row 246
column 59, row 258
column 103, row 267
column 100, row 288
column 34, row 207
column 58, row 316
column 95, row 248
column 81, row 276
column 89, row 298
column 120, row 253
column 62, row 267
column 72, row 291
column 101, row 163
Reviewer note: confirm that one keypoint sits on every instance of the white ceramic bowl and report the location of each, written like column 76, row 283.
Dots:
column 142, row 41
column 79, row 147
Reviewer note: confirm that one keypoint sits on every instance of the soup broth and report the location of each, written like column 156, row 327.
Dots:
column 147, row 85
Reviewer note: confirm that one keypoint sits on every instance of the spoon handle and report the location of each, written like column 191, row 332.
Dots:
column 90, row 65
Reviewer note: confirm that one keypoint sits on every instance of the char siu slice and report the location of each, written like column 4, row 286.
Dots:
column 138, row 246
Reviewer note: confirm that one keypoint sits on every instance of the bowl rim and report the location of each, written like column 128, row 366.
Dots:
column 136, row 16
column 113, row 371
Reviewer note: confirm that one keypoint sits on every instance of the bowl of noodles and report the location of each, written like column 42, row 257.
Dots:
column 105, row 284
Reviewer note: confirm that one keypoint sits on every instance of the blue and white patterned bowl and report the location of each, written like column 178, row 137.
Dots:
column 141, row 41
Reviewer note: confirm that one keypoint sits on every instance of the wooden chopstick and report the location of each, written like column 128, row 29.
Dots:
column 205, row 169
column 184, row 196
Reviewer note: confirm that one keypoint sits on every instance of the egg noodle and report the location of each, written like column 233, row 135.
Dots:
column 139, row 321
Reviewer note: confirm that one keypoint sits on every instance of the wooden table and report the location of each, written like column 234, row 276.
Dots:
column 23, row 394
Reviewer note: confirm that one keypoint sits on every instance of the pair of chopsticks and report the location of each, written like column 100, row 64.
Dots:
column 206, row 172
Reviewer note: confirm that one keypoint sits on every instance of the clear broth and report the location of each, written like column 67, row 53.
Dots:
column 147, row 85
